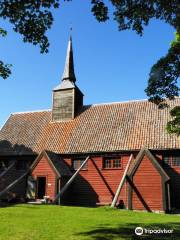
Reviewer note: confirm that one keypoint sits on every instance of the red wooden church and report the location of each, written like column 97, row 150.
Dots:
column 76, row 154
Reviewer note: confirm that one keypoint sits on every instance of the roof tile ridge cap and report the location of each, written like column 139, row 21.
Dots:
column 34, row 111
column 122, row 102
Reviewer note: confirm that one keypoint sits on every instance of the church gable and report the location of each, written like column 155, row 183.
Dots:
column 148, row 184
column 147, row 180
column 43, row 165
column 146, row 160
column 52, row 162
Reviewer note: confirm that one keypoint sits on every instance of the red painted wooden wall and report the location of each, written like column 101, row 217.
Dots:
column 43, row 169
column 97, row 185
column 148, row 182
column 174, row 174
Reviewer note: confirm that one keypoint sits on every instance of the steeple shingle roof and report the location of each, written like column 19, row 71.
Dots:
column 68, row 77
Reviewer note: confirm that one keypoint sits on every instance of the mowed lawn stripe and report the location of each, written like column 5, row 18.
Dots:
column 51, row 222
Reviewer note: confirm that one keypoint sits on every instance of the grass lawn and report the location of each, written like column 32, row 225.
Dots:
column 48, row 222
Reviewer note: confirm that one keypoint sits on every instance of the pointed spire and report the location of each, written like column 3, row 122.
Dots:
column 69, row 64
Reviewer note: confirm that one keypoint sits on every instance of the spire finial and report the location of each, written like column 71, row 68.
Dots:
column 70, row 32
column 71, row 28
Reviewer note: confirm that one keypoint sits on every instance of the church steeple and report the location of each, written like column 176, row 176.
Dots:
column 67, row 98
column 69, row 64
column 68, row 77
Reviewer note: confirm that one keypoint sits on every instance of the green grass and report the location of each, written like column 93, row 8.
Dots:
column 48, row 222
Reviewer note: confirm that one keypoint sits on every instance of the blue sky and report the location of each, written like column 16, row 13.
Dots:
column 110, row 66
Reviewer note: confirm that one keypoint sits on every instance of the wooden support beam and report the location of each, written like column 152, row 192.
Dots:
column 168, row 196
column 121, row 182
column 7, row 169
column 70, row 181
column 13, row 184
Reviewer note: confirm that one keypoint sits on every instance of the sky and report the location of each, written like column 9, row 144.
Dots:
column 110, row 65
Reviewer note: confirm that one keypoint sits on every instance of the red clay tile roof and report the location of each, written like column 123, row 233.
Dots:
column 21, row 132
column 99, row 128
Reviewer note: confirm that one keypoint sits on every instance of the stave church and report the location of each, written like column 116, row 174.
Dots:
column 116, row 154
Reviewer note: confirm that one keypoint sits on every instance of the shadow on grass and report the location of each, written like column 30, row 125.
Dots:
column 127, row 232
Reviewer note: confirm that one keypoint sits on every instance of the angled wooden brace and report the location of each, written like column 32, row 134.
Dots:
column 7, row 169
column 13, row 183
column 70, row 181
column 121, row 182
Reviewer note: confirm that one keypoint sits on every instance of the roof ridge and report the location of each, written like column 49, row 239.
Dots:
column 34, row 111
column 92, row 105
column 128, row 101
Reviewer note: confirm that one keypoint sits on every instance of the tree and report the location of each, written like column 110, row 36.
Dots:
column 163, row 83
column 164, row 75
column 32, row 18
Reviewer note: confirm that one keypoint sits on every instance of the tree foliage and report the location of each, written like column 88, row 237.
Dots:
column 163, row 80
column 32, row 19
column 135, row 14
column 173, row 126
column 5, row 70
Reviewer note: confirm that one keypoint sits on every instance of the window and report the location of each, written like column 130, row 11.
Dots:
column 112, row 162
column 107, row 163
column 76, row 163
column 172, row 159
column 176, row 160
column 166, row 160
column 116, row 163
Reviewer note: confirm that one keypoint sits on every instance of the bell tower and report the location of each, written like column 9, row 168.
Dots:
column 67, row 97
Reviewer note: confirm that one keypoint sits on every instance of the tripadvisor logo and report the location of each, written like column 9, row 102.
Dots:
column 139, row 231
